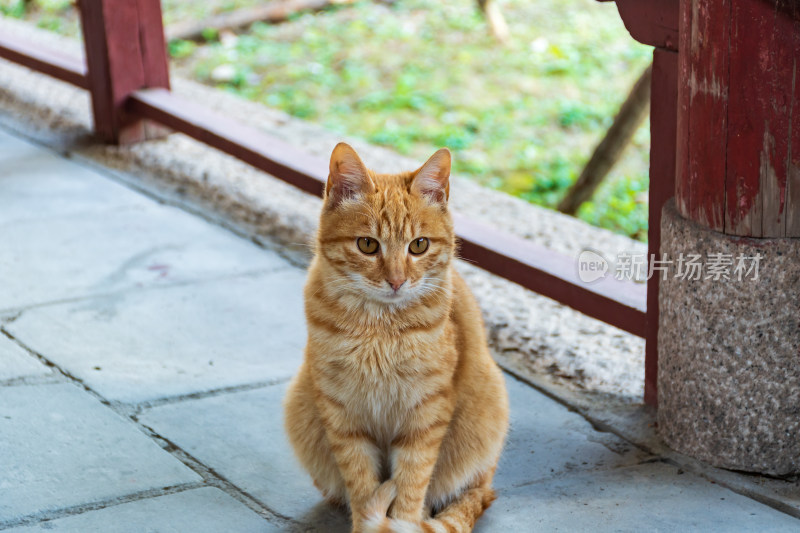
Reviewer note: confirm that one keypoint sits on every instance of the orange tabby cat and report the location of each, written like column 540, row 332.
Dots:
column 397, row 385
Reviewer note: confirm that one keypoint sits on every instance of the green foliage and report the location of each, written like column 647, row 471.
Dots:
column 210, row 34
column 54, row 6
column 12, row 8
column 59, row 16
column 621, row 206
column 417, row 75
column 50, row 23
column 178, row 48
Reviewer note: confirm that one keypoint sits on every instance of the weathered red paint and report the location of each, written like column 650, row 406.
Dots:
column 737, row 92
column 793, row 158
column 764, row 41
column 684, row 96
column 705, row 26
column 125, row 51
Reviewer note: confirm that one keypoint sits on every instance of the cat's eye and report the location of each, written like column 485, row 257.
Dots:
column 367, row 245
column 418, row 246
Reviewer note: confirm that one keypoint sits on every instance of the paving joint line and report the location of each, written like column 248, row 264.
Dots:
column 212, row 477
column 46, row 516
column 8, row 317
column 208, row 474
column 139, row 407
column 33, row 379
column 16, row 312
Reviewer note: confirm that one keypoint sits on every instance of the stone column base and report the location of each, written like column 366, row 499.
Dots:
column 729, row 350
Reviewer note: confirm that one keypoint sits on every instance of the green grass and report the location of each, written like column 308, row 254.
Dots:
column 521, row 118
column 61, row 16
column 54, row 15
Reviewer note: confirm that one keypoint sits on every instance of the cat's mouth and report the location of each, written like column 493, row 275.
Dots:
column 393, row 297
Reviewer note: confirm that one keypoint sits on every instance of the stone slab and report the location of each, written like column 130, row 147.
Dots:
column 16, row 362
column 204, row 510
column 145, row 345
column 53, row 258
column 650, row 497
column 36, row 182
column 59, row 447
column 241, row 436
column 547, row 440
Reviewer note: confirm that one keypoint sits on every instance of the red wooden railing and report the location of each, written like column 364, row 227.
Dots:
column 127, row 76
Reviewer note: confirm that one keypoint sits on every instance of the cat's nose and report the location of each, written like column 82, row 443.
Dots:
column 395, row 283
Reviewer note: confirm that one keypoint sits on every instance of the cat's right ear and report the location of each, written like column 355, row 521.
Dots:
column 348, row 177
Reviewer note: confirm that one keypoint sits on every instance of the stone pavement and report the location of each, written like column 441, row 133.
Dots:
column 144, row 352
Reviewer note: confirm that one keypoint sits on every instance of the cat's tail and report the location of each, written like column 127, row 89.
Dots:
column 458, row 517
column 380, row 502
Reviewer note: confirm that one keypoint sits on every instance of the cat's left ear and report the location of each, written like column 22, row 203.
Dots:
column 348, row 176
column 432, row 180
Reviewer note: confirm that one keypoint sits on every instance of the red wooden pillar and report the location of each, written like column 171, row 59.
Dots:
column 125, row 51
column 739, row 131
column 655, row 23
column 663, row 138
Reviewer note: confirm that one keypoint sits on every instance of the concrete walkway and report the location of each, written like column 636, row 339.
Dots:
column 144, row 353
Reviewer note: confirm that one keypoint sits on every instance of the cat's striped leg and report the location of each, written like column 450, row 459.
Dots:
column 356, row 454
column 307, row 436
column 414, row 454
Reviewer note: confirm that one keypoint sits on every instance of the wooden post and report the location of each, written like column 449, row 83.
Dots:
column 663, row 141
column 655, row 22
column 739, row 149
column 125, row 51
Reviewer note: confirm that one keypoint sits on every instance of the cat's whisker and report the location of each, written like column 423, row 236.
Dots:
column 332, row 284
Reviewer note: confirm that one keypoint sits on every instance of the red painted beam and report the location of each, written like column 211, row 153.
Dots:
column 653, row 22
column 65, row 68
column 252, row 146
column 544, row 271
column 619, row 303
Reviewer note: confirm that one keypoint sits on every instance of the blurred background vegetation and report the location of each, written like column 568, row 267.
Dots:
column 413, row 75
